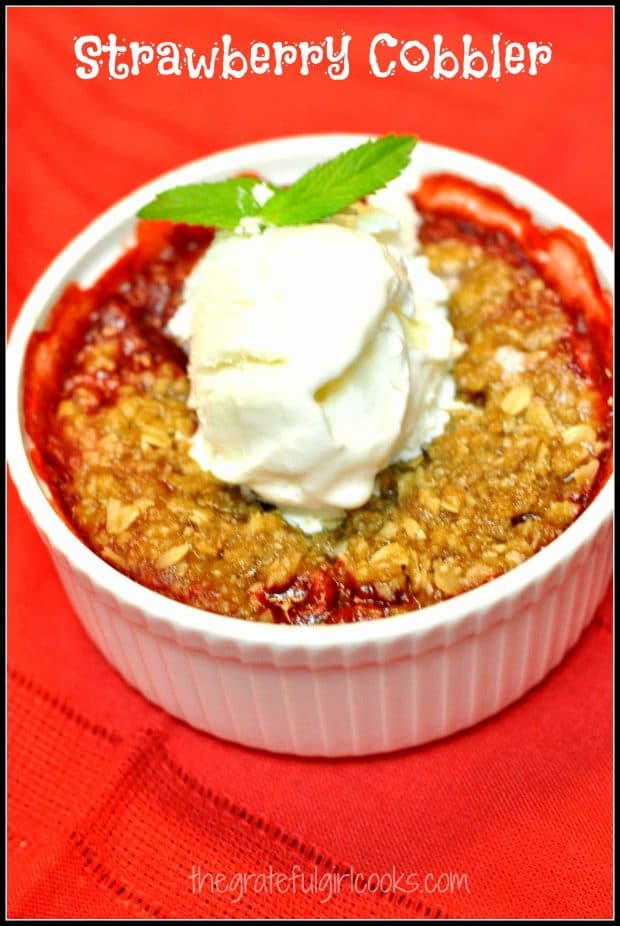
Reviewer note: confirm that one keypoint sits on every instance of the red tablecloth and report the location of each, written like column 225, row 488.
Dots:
column 112, row 804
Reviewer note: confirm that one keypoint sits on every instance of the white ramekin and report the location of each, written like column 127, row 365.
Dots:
column 335, row 690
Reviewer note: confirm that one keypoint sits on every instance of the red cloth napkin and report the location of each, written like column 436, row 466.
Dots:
column 116, row 809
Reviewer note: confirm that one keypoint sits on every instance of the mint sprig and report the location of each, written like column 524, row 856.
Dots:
column 321, row 192
column 223, row 204
column 330, row 187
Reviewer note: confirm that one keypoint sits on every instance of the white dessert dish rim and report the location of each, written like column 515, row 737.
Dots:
column 458, row 616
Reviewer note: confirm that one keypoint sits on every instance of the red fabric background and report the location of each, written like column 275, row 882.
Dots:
column 111, row 802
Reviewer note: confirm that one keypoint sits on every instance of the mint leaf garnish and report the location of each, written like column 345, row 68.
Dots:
column 328, row 188
column 323, row 191
column 223, row 204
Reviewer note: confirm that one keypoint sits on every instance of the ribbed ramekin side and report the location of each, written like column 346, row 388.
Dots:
column 354, row 709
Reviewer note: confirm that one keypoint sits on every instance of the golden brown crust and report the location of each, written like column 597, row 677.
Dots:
column 515, row 466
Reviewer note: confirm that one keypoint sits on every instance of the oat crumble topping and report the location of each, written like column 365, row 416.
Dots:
column 515, row 466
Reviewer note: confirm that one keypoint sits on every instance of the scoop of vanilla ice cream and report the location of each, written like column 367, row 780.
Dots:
column 390, row 217
column 318, row 355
